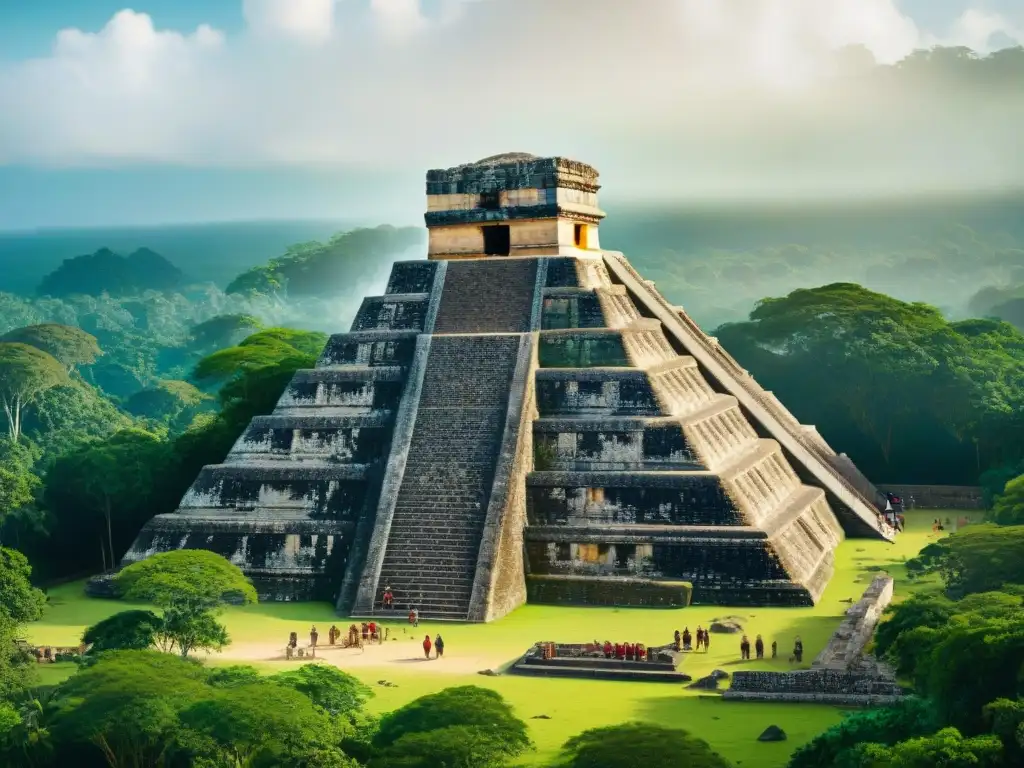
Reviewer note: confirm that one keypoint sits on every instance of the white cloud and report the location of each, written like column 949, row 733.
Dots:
column 307, row 20
column 661, row 94
column 976, row 28
column 399, row 18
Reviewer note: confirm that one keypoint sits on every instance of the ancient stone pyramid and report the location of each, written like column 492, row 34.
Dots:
column 523, row 413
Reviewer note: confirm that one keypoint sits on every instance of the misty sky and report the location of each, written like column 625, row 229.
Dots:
column 183, row 110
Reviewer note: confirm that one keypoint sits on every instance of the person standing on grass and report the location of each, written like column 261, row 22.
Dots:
column 798, row 650
column 313, row 635
column 759, row 647
column 677, row 639
column 439, row 646
column 414, row 617
column 775, row 648
column 745, row 648
column 426, row 646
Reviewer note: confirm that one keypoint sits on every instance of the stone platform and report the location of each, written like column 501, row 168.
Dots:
column 580, row 661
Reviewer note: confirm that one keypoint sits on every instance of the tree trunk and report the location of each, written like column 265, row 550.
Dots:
column 103, row 554
column 12, row 422
column 18, row 407
column 110, row 536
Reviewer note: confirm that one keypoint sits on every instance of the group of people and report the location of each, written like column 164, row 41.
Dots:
column 798, row 649
column 437, row 645
column 371, row 631
column 623, row 651
column 684, row 641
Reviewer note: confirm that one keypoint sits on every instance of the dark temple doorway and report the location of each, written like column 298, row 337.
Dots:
column 497, row 240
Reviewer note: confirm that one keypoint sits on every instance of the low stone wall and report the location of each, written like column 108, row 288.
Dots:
column 847, row 643
column 580, row 590
column 840, row 674
column 937, row 496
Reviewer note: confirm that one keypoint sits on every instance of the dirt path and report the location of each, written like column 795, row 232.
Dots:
column 407, row 653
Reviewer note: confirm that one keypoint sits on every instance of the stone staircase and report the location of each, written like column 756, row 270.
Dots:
column 434, row 540
column 487, row 296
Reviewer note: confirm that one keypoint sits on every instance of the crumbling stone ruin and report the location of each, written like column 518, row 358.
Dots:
column 841, row 674
column 523, row 414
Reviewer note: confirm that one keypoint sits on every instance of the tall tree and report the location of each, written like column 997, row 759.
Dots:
column 856, row 361
column 25, row 373
column 116, row 478
column 190, row 586
column 70, row 345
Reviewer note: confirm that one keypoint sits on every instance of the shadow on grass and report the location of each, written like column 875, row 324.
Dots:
column 732, row 727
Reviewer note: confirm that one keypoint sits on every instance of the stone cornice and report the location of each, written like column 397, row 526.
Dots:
column 513, row 173
column 515, row 213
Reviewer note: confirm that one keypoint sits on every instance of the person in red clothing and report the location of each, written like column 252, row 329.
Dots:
column 629, row 651
column 426, row 646
column 373, row 630
column 608, row 649
column 620, row 651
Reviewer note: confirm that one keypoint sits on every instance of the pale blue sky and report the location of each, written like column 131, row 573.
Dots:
column 143, row 126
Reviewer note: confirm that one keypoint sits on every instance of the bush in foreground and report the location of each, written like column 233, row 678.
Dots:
column 639, row 744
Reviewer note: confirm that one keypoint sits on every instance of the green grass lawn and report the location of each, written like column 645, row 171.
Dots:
column 573, row 706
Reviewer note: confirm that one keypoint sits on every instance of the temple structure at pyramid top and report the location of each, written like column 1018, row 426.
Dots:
column 521, row 416
column 514, row 204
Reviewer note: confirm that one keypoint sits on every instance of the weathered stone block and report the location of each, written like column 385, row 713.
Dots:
column 578, row 590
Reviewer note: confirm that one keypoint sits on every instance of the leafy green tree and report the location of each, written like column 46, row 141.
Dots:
column 191, row 630
column 920, row 610
column 334, row 691
column 166, row 401
column 113, row 481
column 72, row 346
column 25, row 373
column 273, row 348
column 232, row 675
column 979, row 558
column 894, row 380
column 1008, row 508
column 479, row 714
column 634, row 744
column 262, row 724
column 20, row 603
column 190, row 586
column 908, row 718
column 18, row 486
column 128, row 630
column 19, row 600
column 1006, row 720
column 455, row 746
column 946, row 748
column 976, row 663
column 123, row 710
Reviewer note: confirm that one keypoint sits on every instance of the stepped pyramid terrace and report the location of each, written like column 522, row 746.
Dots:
column 523, row 416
